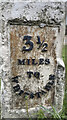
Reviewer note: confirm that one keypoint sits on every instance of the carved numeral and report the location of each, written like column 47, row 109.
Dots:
column 28, row 42
column 38, row 42
column 45, row 45
column 41, row 44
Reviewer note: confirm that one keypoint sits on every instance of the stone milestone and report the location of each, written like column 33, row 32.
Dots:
column 32, row 67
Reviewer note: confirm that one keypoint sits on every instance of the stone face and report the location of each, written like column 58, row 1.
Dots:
column 31, row 64
column 32, row 67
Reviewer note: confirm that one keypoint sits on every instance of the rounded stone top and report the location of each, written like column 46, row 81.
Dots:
column 48, row 12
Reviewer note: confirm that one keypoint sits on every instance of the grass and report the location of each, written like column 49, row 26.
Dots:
column 0, row 84
column 55, row 115
column 64, row 111
column 0, row 103
column 64, row 55
column 63, row 114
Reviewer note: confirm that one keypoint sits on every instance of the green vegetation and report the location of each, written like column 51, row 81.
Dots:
column 54, row 114
column 64, row 55
column 63, row 114
column 60, row 116
column 0, row 83
column 0, row 98
column 26, row 103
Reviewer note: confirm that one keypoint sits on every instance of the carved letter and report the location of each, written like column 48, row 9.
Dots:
column 37, row 74
column 41, row 61
column 21, row 62
column 28, row 61
column 29, row 74
column 15, row 79
column 33, row 62
column 16, row 88
column 47, row 61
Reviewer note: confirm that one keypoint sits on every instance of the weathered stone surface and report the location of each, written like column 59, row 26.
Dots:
column 37, row 66
column 31, row 19
column 52, row 13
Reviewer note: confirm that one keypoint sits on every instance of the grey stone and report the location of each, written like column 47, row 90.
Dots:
column 47, row 17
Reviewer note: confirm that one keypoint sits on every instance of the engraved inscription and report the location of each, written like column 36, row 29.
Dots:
column 32, row 61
